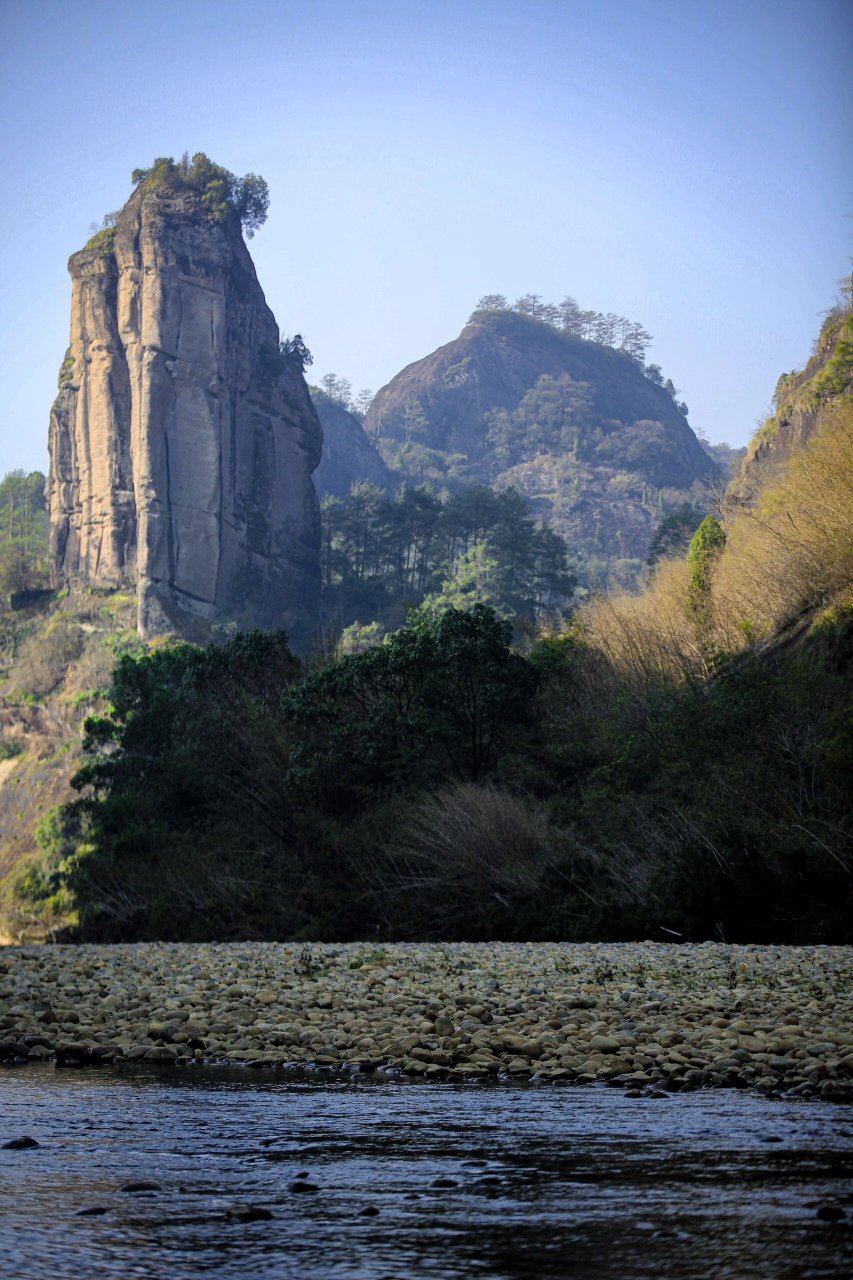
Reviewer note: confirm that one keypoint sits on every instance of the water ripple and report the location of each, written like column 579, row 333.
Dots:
column 445, row 1181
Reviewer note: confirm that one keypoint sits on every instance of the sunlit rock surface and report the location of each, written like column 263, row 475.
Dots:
column 181, row 444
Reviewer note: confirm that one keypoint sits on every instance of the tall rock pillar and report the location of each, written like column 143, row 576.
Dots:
column 181, row 443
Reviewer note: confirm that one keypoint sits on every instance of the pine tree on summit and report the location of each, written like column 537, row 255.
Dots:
column 221, row 191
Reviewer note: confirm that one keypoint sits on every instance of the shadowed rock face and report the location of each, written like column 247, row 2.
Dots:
column 349, row 456
column 634, row 455
column 181, row 446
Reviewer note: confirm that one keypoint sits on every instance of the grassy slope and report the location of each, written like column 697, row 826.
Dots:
column 802, row 399
column 57, row 663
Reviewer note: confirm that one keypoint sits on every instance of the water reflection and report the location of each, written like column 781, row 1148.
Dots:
column 436, row 1180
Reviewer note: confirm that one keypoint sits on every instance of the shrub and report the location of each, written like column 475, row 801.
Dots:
column 45, row 658
column 103, row 241
column 705, row 546
column 468, row 861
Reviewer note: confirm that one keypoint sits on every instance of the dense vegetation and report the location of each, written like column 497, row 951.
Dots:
column 225, row 782
column 669, row 763
column 383, row 553
column 674, row 764
column 223, row 195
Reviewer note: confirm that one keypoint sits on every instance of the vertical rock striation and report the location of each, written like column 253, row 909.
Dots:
column 181, row 442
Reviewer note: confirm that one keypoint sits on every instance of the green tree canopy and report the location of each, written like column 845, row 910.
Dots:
column 23, row 533
column 222, row 192
column 187, row 757
column 608, row 330
column 382, row 553
column 440, row 697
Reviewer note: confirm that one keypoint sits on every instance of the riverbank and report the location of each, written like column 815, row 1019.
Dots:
column 644, row 1015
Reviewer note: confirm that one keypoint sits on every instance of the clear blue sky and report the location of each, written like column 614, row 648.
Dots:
column 685, row 164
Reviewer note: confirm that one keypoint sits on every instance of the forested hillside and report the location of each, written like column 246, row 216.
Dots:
column 670, row 763
column 673, row 764
column 560, row 406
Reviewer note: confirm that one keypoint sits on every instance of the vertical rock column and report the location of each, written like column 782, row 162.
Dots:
column 90, row 490
column 181, row 447
column 171, row 312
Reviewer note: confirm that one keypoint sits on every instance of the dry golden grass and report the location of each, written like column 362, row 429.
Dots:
column 792, row 551
column 647, row 638
column 45, row 658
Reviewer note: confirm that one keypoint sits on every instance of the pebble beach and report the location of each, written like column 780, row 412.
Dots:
column 645, row 1016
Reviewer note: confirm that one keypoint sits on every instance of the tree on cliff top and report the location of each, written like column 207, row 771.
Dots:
column 608, row 330
column 221, row 191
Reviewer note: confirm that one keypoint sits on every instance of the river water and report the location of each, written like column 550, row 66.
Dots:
column 407, row 1180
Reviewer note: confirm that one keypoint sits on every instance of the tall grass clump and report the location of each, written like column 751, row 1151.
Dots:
column 650, row 638
column 468, row 860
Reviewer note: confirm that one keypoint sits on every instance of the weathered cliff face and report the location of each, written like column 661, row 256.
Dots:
column 181, row 444
column 497, row 359
column 804, row 398
column 600, row 451
column 348, row 453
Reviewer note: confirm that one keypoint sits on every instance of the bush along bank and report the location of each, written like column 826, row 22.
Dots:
column 445, row 786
